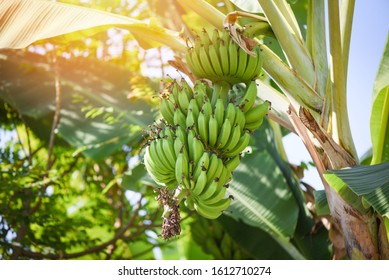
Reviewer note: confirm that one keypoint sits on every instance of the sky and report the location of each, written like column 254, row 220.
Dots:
column 369, row 32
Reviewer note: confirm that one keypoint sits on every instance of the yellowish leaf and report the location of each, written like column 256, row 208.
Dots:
column 23, row 22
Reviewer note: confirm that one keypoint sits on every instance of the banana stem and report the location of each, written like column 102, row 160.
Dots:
column 316, row 43
column 341, row 126
column 346, row 17
column 180, row 194
column 291, row 83
column 205, row 10
column 278, row 137
column 220, row 90
column 287, row 35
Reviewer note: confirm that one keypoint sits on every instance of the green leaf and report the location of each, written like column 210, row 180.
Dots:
column 315, row 246
column 26, row 21
column 379, row 119
column 344, row 191
column 29, row 88
column 265, row 138
column 132, row 180
column 262, row 197
column 366, row 158
column 251, row 6
column 369, row 182
column 321, row 203
column 257, row 242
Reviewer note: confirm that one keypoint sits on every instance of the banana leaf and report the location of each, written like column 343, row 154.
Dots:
column 379, row 119
column 23, row 22
column 369, row 182
column 28, row 86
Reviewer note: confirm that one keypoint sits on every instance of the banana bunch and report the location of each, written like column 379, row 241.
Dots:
column 199, row 142
column 218, row 58
column 214, row 240
column 160, row 156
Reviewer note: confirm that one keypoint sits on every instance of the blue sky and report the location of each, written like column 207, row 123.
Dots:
column 368, row 38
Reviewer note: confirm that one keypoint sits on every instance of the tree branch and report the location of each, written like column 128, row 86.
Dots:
column 120, row 234
column 58, row 95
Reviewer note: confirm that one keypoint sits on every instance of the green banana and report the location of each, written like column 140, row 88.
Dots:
column 166, row 149
column 213, row 248
column 226, row 246
column 178, row 144
column 240, row 119
column 181, row 134
column 212, row 167
column 215, row 37
column 233, row 163
column 242, row 144
column 203, row 127
column 169, row 133
column 215, row 60
column 155, row 171
column 219, row 194
column 224, row 57
column 220, row 91
column 249, row 97
column 234, row 138
column 242, row 62
column 253, row 125
column 194, row 108
column 198, row 149
column 158, row 158
column 167, row 110
column 200, row 98
column 186, row 89
column 233, row 58
column 201, row 164
column 219, row 112
column 259, row 28
column 204, row 37
column 200, row 184
column 249, row 74
column 224, row 134
column 191, row 136
column 182, row 168
column 207, row 110
column 183, row 101
column 201, row 92
column 224, row 177
column 209, row 190
column 212, row 131
column 179, row 118
column 194, row 63
column 257, row 112
column 207, row 64
column 190, row 122
column 230, row 112
column 211, row 211
column 175, row 91
column 214, row 175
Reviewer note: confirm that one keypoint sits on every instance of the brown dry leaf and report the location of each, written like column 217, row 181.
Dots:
column 181, row 66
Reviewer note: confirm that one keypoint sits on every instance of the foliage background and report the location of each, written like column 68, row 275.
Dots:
column 86, row 195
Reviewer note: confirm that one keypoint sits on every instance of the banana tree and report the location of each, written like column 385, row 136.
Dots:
column 308, row 97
